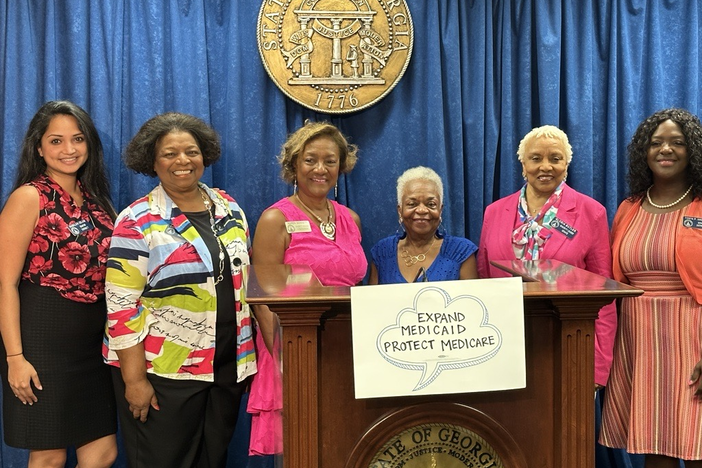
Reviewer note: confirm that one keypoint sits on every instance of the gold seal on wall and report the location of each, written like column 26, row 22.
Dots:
column 335, row 56
column 436, row 445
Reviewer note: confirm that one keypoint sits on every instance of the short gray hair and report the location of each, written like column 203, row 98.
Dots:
column 545, row 131
column 419, row 173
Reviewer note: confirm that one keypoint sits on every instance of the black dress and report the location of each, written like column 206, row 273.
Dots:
column 62, row 321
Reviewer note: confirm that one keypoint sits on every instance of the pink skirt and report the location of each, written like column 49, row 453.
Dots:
column 266, row 401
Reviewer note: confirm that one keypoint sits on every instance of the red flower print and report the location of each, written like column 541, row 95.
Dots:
column 44, row 188
column 99, row 288
column 104, row 249
column 71, row 209
column 55, row 281
column 38, row 244
column 101, row 216
column 44, row 202
column 53, row 227
column 39, row 264
column 79, row 282
column 92, row 235
column 80, row 296
column 95, row 274
column 74, row 257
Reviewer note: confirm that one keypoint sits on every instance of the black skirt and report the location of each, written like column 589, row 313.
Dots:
column 62, row 339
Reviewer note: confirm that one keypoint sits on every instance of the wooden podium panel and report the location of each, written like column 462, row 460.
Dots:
column 548, row 424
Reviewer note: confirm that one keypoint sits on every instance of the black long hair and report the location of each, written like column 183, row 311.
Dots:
column 92, row 174
column 640, row 177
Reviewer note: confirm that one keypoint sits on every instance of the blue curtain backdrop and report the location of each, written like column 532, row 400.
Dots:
column 482, row 74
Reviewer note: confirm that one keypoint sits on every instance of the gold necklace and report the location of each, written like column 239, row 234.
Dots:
column 329, row 228
column 207, row 203
column 412, row 259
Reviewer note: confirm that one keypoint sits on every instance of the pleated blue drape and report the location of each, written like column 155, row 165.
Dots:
column 482, row 74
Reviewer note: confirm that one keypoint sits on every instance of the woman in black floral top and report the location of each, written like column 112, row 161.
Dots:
column 54, row 236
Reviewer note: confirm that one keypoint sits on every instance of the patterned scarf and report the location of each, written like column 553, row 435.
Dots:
column 528, row 238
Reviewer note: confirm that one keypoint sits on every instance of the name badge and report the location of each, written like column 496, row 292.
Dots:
column 563, row 227
column 80, row 227
column 692, row 222
column 297, row 226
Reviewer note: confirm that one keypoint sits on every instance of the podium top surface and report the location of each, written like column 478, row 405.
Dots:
column 543, row 276
column 271, row 284
column 547, row 279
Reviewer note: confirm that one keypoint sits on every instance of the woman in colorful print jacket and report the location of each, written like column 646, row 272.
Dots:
column 177, row 326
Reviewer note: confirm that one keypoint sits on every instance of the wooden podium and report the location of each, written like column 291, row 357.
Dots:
column 548, row 424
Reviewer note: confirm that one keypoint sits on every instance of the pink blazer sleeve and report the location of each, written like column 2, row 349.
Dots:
column 495, row 236
column 599, row 260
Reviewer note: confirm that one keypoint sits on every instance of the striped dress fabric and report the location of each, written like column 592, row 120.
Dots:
column 649, row 406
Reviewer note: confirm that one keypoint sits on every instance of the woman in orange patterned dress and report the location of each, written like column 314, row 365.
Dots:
column 653, row 403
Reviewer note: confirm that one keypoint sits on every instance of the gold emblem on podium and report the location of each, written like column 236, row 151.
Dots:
column 335, row 56
column 436, row 444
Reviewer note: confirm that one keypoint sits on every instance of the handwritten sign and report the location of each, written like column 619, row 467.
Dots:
column 440, row 337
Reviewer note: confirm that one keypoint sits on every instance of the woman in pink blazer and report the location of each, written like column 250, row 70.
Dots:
column 546, row 219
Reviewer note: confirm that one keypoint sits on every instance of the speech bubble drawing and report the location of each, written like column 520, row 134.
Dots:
column 439, row 333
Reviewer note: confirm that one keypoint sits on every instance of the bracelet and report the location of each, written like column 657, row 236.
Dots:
column 13, row 355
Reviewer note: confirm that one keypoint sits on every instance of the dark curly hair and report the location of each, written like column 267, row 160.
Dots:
column 640, row 177
column 297, row 141
column 140, row 154
column 92, row 175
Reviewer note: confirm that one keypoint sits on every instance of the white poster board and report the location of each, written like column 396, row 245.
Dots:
column 438, row 337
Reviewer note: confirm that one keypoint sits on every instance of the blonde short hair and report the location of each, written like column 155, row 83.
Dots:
column 545, row 131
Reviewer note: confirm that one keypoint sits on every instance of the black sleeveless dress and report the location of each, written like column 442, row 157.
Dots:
column 62, row 321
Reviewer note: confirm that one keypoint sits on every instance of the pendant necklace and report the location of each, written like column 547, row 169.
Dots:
column 412, row 259
column 329, row 228
column 207, row 203
column 669, row 205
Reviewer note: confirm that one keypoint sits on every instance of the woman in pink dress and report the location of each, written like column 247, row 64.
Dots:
column 306, row 228
column 653, row 402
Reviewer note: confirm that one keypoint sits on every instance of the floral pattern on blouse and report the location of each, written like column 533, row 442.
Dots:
column 68, row 250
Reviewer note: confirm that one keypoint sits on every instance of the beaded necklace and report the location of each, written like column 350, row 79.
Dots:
column 669, row 205
column 208, row 205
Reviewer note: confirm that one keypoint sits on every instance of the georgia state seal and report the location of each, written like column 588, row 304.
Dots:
column 436, row 445
column 335, row 56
